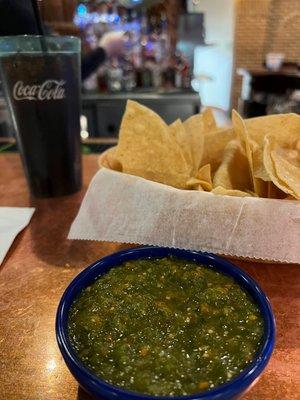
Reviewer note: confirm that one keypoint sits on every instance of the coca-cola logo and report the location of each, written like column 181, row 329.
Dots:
column 48, row 90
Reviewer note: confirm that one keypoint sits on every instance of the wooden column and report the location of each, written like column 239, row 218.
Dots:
column 58, row 14
column 69, row 7
column 52, row 10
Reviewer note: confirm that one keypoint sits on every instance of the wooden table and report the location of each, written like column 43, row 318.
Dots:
column 40, row 264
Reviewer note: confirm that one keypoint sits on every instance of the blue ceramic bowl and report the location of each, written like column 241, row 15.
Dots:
column 103, row 390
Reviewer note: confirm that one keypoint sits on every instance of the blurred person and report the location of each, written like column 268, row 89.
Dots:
column 112, row 44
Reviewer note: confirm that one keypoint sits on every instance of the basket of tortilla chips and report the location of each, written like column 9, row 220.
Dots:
column 232, row 191
column 255, row 157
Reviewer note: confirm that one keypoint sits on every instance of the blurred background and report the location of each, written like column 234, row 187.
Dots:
column 175, row 56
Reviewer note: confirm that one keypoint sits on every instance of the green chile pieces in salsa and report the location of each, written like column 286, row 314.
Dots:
column 165, row 327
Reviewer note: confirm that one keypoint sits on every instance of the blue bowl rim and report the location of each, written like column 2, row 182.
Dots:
column 233, row 387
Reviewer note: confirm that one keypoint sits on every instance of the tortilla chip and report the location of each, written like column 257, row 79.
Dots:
column 193, row 182
column 147, row 149
column 259, row 169
column 252, row 194
column 194, row 129
column 109, row 161
column 260, row 186
column 282, row 155
column 203, row 180
column 274, row 192
column 289, row 197
column 271, row 158
column 234, row 173
column 229, row 192
column 197, row 184
column 280, row 125
column 177, row 130
column 214, row 146
column 209, row 121
column 204, row 173
column 200, row 188
column 286, row 171
column 204, row 186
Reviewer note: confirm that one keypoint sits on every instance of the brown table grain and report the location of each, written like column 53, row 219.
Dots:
column 40, row 264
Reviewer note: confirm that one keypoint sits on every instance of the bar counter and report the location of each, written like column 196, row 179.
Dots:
column 104, row 111
column 40, row 264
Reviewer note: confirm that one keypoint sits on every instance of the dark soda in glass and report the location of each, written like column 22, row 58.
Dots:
column 43, row 92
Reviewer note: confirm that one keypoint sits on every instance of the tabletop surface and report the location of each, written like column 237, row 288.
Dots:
column 40, row 264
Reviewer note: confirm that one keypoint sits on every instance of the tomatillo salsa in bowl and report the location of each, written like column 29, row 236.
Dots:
column 155, row 322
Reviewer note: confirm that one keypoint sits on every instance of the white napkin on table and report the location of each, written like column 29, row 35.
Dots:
column 12, row 221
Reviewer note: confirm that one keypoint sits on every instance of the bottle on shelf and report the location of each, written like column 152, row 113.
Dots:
column 114, row 75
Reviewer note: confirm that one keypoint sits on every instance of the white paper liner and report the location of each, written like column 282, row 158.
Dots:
column 128, row 209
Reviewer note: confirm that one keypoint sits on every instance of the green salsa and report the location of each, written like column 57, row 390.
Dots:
column 165, row 327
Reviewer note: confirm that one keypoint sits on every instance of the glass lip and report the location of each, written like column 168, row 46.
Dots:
column 16, row 43
column 60, row 37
